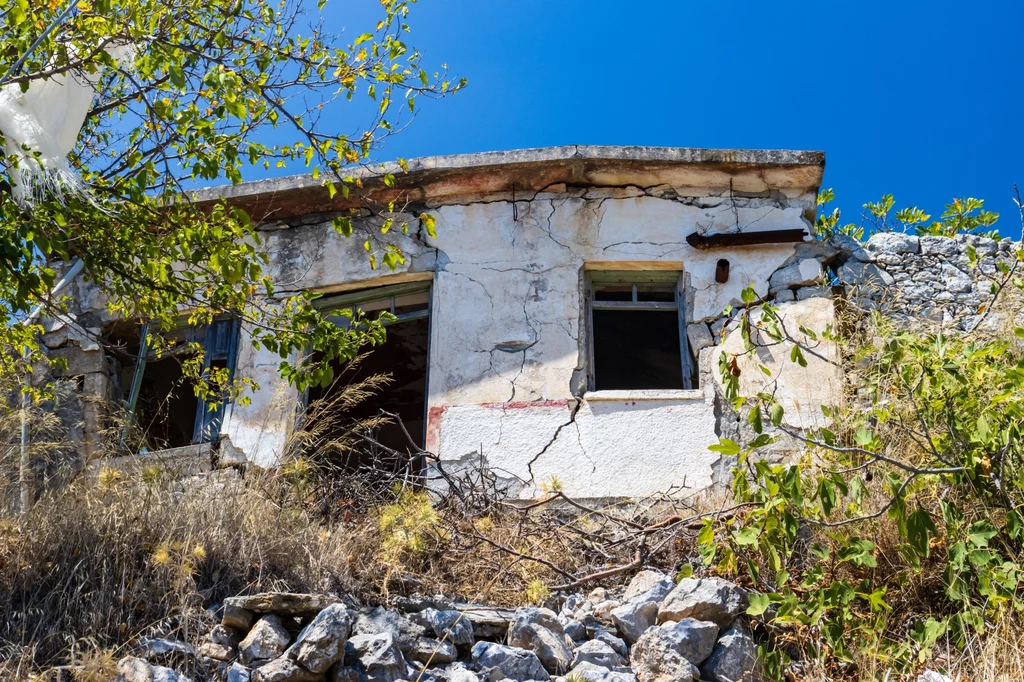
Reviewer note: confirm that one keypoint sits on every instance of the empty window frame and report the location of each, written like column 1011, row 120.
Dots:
column 637, row 331
column 403, row 358
column 163, row 410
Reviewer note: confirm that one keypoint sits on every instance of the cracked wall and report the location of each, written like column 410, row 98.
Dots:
column 507, row 348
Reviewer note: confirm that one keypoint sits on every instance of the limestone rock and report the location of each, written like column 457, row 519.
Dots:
column 282, row 603
column 238, row 673
column 669, row 653
column 236, row 617
column 938, row 246
column 574, row 629
column 266, row 641
column 380, row 620
column 849, row 247
column 284, row 669
column 150, row 647
column 322, row 642
column 710, row 599
column 734, row 658
column 893, row 242
column 648, row 586
column 217, row 652
column 450, row 625
column 342, row 673
column 539, row 631
column 457, row 672
column 616, row 643
column 632, row 620
column 933, row 676
column 378, row 656
column 699, row 336
column 514, row 663
column 605, row 608
column 869, row 274
column 432, row 652
column 132, row 669
column 597, row 673
column 598, row 653
column 798, row 274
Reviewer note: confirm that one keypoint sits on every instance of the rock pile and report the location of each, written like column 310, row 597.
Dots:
column 656, row 631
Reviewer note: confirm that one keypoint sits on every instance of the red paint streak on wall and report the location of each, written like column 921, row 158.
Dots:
column 434, row 415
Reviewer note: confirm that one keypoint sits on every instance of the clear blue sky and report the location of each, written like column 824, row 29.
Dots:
column 920, row 99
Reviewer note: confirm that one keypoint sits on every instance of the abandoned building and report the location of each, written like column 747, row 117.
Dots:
column 565, row 323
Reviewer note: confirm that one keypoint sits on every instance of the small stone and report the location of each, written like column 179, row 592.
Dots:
column 699, row 337
column 378, row 656
column 342, row 673
column 217, row 652
column 380, row 620
column 238, row 673
column 669, row 652
column 597, row 595
column 605, row 608
column 132, row 669
column 785, row 296
column 632, row 620
column 893, row 242
column 457, row 672
column 432, row 652
column 322, row 642
column 539, row 631
column 449, row 625
column 734, row 658
column 598, row 653
column 284, row 669
column 954, row 279
column 576, row 630
column 616, row 643
column 225, row 636
column 514, row 663
column 855, row 272
column 597, row 673
column 266, row 641
column 153, row 647
column 710, row 599
column 801, row 273
column 938, row 246
column 805, row 293
column 237, row 617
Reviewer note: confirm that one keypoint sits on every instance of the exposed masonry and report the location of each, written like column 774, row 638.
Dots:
column 509, row 334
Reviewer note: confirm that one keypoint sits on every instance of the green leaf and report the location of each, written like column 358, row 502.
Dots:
column 863, row 437
column 726, row 446
column 757, row 603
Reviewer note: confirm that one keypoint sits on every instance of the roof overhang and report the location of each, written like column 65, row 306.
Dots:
column 434, row 180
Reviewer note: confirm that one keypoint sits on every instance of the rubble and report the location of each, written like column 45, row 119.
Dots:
column 344, row 642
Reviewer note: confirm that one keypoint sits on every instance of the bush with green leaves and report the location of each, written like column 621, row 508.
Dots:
column 900, row 523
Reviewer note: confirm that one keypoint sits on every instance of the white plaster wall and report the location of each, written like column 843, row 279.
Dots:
column 505, row 329
column 608, row 448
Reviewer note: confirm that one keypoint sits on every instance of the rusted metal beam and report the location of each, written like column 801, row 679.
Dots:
column 714, row 241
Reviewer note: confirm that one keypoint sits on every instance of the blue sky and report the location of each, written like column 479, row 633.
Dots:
column 922, row 100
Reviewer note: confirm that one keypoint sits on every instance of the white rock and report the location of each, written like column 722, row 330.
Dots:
column 734, row 658
column 632, row 620
column 597, row 653
column 644, row 582
column 284, row 669
column 322, row 642
column 539, row 631
column 597, row 673
column 267, row 640
column 893, row 242
column 670, row 652
column 379, row 656
column 709, row 599
column 513, row 663
column 933, row 676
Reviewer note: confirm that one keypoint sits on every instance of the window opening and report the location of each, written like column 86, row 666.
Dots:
column 402, row 359
column 637, row 337
column 162, row 409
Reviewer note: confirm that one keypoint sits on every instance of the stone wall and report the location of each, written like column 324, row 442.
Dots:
column 926, row 282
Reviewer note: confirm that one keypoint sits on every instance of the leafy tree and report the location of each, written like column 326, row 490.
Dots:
column 192, row 93
column 918, row 481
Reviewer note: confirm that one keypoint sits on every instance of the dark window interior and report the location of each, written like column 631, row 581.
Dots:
column 402, row 358
column 637, row 349
column 167, row 409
